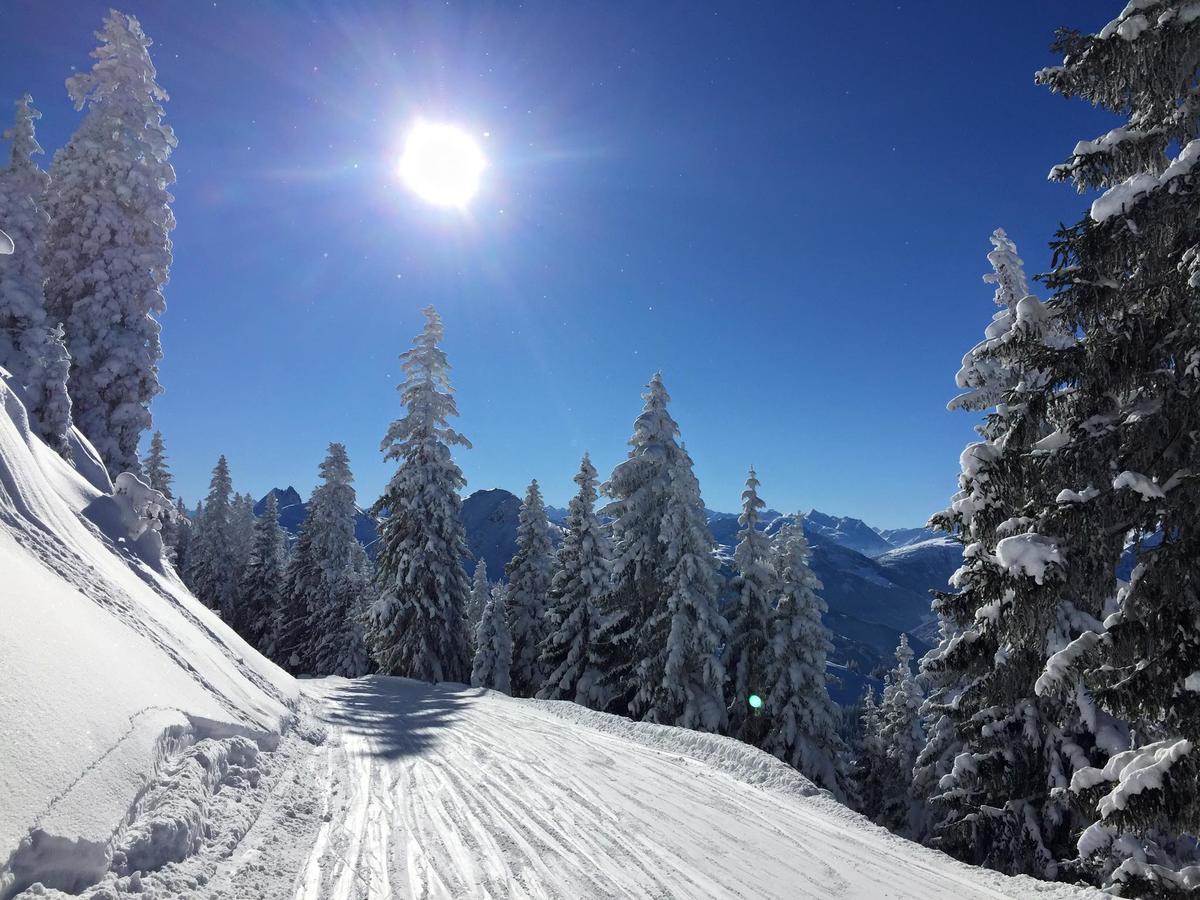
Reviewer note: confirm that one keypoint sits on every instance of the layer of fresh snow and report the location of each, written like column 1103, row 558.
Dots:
column 1119, row 198
column 108, row 666
column 1135, row 481
column 1131, row 773
column 1068, row 496
column 1028, row 554
column 449, row 792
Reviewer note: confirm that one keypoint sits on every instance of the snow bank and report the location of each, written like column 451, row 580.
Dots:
column 109, row 667
column 732, row 757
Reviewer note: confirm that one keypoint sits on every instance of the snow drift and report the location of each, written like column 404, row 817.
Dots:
column 109, row 667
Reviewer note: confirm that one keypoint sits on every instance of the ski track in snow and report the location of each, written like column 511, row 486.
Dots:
column 444, row 791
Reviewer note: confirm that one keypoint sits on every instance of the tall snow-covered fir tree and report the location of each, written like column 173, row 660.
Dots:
column 181, row 547
column 1016, row 603
column 158, row 476
column 326, row 579
column 418, row 624
column 903, row 738
column 290, row 642
column 481, row 590
column 529, row 574
column 935, row 760
column 158, row 473
column 803, row 719
column 493, row 644
column 1125, row 461
column 211, row 558
column 357, row 588
column 869, row 771
column 755, row 589
column 107, row 252
column 241, row 541
column 262, row 578
column 31, row 344
column 581, row 579
column 663, row 629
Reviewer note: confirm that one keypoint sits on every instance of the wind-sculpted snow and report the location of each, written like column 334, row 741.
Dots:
column 108, row 667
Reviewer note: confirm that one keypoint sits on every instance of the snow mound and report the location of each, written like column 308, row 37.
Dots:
column 114, row 666
column 174, row 814
column 728, row 755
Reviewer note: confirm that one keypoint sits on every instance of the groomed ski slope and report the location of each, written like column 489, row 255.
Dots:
column 448, row 792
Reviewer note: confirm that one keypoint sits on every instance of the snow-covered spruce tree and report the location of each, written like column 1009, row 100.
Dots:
column 107, row 251
column 869, row 771
column 290, row 642
column 803, row 719
column 942, row 744
column 663, row 630
column 211, row 563
column 358, row 589
column 327, row 583
column 529, row 574
column 581, row 579
column 241, row 542
column 262, row 577
column 31, row 346
column 481, row 590
column 493, row 644
column 755, row 590
column 418, row 624
column 1127, row 446
column 183, row 538
column 158, row 473
column 903, row 738
column 158, row 476
column 1015, row 605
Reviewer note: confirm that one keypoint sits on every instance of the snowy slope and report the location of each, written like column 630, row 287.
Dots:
column 107, row 667
column 450, row 792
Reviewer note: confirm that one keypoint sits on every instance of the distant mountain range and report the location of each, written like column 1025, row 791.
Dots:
column 292, row 511
column 877, row 582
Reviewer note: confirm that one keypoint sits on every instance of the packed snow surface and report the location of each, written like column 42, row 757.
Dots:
column 446, row 791
column 108, row 668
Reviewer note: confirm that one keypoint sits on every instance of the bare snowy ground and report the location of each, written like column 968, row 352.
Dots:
column 402, row 789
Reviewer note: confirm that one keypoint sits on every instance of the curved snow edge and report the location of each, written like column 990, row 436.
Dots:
column 760, row 769
column 725, row 754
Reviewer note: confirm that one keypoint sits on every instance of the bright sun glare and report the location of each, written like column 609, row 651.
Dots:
column 441, row 164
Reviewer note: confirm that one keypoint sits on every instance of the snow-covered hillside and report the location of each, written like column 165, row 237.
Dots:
column 144, row 750
column 108, row 668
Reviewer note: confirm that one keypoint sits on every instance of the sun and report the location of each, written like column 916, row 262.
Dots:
column 441, row 164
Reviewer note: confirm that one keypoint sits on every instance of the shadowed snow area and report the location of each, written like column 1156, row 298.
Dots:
column 447, row 791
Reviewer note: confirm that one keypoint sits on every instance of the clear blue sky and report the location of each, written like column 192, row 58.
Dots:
column 785, row 207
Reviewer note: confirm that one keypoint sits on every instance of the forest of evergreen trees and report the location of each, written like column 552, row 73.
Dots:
column 1053, row 729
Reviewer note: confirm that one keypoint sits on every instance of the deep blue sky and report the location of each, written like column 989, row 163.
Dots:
column 785, row 207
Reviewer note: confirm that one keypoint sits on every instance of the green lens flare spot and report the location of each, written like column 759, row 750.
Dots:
column 755, row 701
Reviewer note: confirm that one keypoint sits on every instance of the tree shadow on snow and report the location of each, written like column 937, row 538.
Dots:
column 399, row 716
